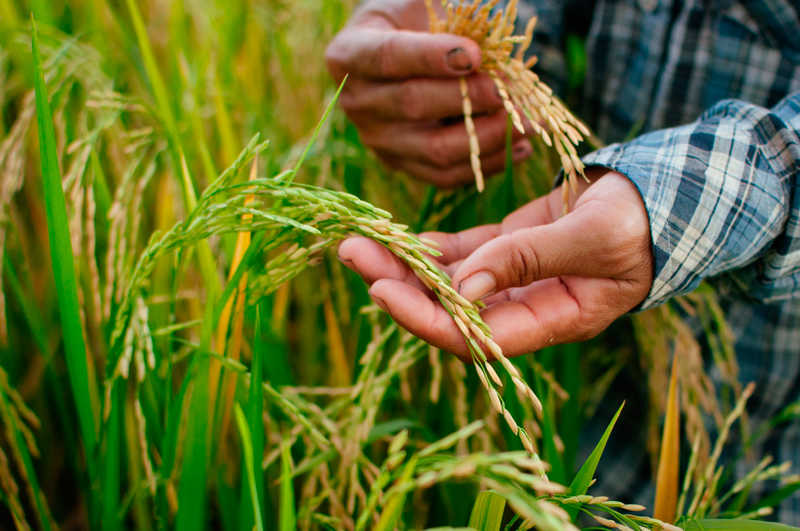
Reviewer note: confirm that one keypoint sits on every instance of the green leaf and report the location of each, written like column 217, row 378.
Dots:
column 331, row 105
column 487, row 513
column 580, row 484
column 255, row 401
column 83, row 385
column 776, row 497
column 247, row 446
column 193, row 473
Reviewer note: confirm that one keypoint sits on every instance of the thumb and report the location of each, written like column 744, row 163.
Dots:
column 588, row 242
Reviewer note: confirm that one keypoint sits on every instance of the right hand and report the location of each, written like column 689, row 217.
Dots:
column 403, row 94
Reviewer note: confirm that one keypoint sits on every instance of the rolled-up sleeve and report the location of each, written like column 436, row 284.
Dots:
column 723, row 198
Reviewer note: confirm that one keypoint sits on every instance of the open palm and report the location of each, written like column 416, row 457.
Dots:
column 545, row 278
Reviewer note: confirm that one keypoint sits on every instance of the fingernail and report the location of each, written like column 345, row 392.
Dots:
column 477, row 286
column 459, row 60
column 380, row 302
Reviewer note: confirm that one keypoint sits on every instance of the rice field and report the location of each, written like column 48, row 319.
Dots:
column 181, row 348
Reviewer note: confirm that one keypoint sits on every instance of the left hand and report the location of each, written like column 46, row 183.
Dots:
column 545, row 278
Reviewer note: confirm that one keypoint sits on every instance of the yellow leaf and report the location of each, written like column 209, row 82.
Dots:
column 669, row 459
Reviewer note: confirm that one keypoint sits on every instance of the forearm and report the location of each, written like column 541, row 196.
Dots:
column 722, row 198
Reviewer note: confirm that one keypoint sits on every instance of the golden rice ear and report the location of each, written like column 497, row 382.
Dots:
column 522, row 92
column 474, row 147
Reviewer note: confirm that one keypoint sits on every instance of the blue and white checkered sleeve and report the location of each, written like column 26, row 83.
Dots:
column 723, row 196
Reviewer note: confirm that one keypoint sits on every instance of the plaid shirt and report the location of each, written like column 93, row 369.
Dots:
column 714, row 85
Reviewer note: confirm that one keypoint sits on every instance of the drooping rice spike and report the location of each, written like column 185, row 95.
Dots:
column 520, row 89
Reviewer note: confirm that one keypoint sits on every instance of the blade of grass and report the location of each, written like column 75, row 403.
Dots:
column 774, row 499
column 669, row 459
column 193, row 473
column 331, row 105
column 83, row 385
column 255, row 407
column 250, row 465
column 487, row 513
column 580, row 484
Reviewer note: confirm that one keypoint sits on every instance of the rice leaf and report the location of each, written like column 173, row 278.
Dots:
column 669, row 459
column 775, row 498
column 331, row 105
column 487, row 513
column 580, row 484
column 193, row 474
column 83, row 385
column 249, row 463
column 255, row 408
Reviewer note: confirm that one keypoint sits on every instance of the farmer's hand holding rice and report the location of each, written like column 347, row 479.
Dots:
column 403, row 93
column 709, row 191
column 544, row 278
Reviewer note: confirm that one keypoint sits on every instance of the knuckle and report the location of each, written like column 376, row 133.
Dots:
column 410, row 101
column 484, row 93
column 439, row 150
column 525, row 266
column 384, row 57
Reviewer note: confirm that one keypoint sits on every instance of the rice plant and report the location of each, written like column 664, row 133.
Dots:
column 181, row 348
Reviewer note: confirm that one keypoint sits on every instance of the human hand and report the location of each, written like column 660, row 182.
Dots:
column 403, row 94
column 545, row 278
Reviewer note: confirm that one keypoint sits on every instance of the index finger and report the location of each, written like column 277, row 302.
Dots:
column 377, row 53
column 456, row 246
